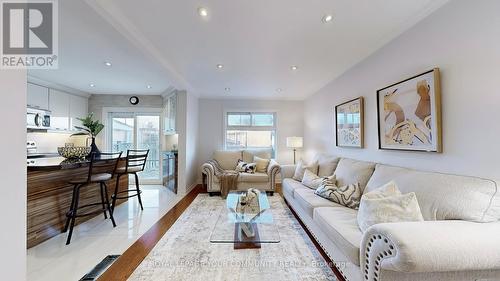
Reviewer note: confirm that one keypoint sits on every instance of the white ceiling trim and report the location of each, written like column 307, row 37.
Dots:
column 112, row 14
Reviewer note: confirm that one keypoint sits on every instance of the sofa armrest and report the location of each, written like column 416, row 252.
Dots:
column 208, row 170
column 430, row 246
column 287, row 171
column 272, row 170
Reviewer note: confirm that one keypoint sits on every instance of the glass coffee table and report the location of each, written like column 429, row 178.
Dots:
column 245, row 229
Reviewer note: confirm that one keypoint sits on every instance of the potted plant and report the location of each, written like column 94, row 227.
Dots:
column 90, row 128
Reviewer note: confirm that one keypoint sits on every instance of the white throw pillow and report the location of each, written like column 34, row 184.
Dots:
column 387, row 204
column 313, row 181
column 302, row 167
column 261, row 164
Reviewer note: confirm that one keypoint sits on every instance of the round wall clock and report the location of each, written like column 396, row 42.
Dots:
column 134, row 100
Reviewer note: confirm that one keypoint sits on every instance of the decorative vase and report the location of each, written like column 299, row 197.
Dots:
column 93, row 147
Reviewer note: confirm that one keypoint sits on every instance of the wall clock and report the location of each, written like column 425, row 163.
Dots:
column 134, row 100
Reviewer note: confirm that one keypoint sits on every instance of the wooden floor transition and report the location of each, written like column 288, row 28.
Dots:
column 125, row 265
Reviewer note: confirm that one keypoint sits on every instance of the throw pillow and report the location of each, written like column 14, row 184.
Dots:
column 387, row 204
column 347, row 195
column 244, row 167
column 313, row 181
column 261, row 164
column 302, row 167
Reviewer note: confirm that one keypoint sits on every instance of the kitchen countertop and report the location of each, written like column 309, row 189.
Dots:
column 56, row 163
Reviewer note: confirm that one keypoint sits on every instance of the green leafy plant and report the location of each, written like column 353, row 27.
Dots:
column 90, row 127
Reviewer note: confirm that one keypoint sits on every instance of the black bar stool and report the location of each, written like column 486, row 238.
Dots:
column 102, row 168
column 136, row 161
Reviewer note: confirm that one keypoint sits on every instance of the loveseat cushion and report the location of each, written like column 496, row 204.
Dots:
column 227, row 159
column 256, row 177
column 248, row 154
column 308, row 201
column 341, row 226
column 350, row 171
column 443, row 196
column 290, row 185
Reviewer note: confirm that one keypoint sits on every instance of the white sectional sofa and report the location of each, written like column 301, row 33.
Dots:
column 459, row 239
column 228, row 161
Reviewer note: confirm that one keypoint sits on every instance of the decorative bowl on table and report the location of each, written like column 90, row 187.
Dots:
column 72, row 152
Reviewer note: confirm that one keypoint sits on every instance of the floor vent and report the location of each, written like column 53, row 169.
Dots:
column 100, row 268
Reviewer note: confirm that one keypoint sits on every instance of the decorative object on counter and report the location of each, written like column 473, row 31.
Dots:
column 409, row 114
column 134, row 100
column 74, row 152
column 174, row 147
column 294, row 142
column 349, row 123
column 90, row 128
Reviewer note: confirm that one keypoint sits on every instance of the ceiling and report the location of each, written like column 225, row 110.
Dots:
column 168, row 44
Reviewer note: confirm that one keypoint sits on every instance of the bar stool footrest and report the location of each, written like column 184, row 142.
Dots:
column 125, row 197
column 68, row 214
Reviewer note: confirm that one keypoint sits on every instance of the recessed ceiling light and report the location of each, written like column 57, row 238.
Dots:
column 107, row 63
column 203, row 12
column 327, row 18
column 294, row 67
column 279, row 90
column 220, row 66
column 149, row 87
column 92, row 85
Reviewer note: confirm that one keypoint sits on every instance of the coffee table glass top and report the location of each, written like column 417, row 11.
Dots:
column 260, row 225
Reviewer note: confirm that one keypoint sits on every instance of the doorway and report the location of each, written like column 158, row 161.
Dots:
column 136, row 130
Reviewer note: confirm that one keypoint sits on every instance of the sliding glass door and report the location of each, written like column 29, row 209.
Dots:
column 138, row 131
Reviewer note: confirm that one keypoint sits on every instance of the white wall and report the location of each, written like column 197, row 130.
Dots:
column 187, row 129
column 463, row 40
column 211, row 135
column 13, row 175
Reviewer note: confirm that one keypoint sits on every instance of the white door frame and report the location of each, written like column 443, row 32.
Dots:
column 106, row 142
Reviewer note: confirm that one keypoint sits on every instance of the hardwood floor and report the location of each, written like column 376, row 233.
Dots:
column 125, row 265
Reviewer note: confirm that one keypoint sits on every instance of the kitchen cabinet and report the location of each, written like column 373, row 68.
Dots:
column 78, row 108
column 170, row 114
column 59, row 105
column 37, row 96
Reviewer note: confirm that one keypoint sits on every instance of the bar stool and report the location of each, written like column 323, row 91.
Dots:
column 102, row 168
column 136, row 161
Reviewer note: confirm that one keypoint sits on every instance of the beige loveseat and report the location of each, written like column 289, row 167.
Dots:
column 228, row 161
column 459, row 239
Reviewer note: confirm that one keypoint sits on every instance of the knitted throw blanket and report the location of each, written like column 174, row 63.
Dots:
column 227, row 179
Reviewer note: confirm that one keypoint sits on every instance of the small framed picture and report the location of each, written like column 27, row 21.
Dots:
column 349, row 125
column 409, row 114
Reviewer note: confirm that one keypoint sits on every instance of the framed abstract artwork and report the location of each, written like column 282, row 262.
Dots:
column 349, row 123
column 409, row 114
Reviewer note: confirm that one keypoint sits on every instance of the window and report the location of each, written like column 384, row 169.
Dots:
column 250, row 130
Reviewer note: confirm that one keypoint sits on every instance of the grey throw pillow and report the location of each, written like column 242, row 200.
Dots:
column 348, row 195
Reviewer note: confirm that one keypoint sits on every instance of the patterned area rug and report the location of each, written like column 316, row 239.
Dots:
column 185, row 251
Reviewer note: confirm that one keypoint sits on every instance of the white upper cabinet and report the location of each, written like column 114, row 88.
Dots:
column 38, row 96
column 170, row 114
column 78, row 108
column 59, row 105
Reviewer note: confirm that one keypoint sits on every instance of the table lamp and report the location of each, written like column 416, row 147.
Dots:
column 294, row 142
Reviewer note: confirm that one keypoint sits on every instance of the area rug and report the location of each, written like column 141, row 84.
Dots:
column 185, row 251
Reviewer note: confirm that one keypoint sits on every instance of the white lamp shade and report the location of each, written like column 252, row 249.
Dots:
column 294, row 142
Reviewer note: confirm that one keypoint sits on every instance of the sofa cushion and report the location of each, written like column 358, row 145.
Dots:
column 443, row 196
column 301, row 167
column 248, row 154
column 216, row 179
column 290, row 185
column 256, row 177
column 227, row 159
column 308, row 200
column 340, row 224
column 350, row 171
column 326, row 164
column 262, row 164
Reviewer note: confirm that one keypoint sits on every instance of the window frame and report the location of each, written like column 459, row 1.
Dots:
column 273, row 128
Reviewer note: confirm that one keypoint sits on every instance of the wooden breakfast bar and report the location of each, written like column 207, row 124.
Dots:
column 49, row 195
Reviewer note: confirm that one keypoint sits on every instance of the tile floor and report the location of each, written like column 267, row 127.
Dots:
column 96, row 238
